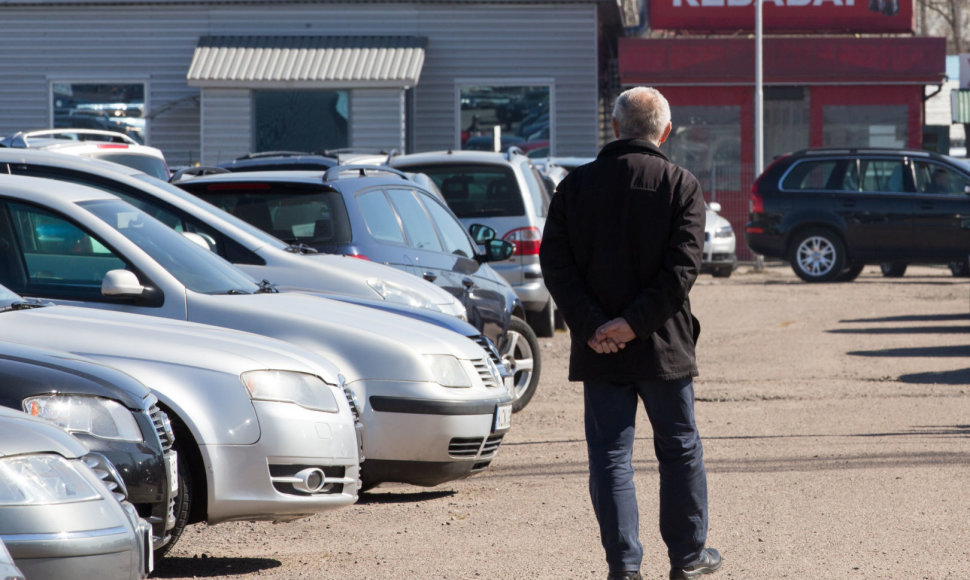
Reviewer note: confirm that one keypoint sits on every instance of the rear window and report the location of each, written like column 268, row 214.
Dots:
column 151, row 165
column 818, row 174
column 294, row 213
column 476, row 190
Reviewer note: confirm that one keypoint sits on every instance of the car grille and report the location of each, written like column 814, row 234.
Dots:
column 489, row 347
column 106, row 472
column 474, row 447
column 485, row 373
column 352, row 401
column 163, row 426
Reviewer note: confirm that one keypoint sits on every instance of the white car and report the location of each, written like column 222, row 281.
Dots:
column 96, row 144
column 433, row 403
column 263, row 429
column 719, row 257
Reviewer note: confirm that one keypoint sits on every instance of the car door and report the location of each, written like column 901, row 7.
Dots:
column 941, row 219
column 878, row 214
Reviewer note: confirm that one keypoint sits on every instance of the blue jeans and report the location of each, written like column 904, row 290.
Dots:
column 611, row 408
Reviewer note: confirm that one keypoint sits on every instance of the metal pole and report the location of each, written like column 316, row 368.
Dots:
column 759, row 131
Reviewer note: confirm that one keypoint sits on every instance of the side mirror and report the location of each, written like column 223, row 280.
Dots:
column 715, row 206
column 199, row 240
column 121, row 283
column 496, row 251
column 481, row 233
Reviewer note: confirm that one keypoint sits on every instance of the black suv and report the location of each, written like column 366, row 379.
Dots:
column 832, row 211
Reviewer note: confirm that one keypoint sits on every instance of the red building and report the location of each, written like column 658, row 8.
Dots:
column 842, row 75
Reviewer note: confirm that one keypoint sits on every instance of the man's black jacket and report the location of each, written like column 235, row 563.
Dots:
column 624, row 237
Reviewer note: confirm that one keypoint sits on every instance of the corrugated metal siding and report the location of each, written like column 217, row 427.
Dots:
column 227, row 116
column 515, row 42
column 377, row 119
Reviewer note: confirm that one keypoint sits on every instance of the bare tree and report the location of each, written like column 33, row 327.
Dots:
column 949, row 18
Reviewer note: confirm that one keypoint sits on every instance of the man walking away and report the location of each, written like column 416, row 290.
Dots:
column 620, row 252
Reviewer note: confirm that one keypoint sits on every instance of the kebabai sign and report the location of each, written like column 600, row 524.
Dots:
column 815, row 16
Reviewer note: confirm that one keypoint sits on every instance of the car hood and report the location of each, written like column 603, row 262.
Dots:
column 41, row 371
column 714, row 221
column 107, row 335
column 22, row 434
column 363, row 342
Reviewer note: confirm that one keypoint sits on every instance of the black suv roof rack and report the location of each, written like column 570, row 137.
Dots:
column 334, row 172
column 196, row 171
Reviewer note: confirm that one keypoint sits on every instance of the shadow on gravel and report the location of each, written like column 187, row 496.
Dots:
column 371, row 497
column 924, row 351
column 914, row 318
column 904, row 330
column 933, row 430
column 955, row 377
column 206, row 567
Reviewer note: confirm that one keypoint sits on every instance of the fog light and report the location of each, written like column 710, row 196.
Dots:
column 310, row 480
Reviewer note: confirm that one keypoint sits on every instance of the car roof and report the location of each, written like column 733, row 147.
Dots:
column 340, row 177
column 863, row 151
column 41, row 190
column 450, row 156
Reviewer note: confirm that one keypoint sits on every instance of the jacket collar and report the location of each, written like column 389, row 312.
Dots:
column 622, row 146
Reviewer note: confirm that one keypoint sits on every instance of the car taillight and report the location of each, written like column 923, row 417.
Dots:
column 360, row 256
column 756, row 203
column 112, row 146
column 525, row 240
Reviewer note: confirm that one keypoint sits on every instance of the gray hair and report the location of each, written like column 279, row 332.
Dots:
column 642, row 113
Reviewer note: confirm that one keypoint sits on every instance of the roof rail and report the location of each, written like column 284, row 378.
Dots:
column 513, row 150
column 335, row 171
column 262, row 154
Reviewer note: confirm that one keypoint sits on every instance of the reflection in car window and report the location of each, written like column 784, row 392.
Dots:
column 417, row 225
column 538, row 193
column 195, row 267
column 58, row 253
column 380, row 217
column 810, row 175
column 452, row 231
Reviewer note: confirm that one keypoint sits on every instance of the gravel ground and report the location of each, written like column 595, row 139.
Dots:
column 836, row 423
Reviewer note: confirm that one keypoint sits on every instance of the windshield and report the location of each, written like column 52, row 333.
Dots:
column 148, row 164
column 232, row 220
column 195, row 267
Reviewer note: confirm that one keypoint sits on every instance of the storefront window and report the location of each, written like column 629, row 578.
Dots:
column 521, row 111
column 309, row 121
column 786, row 120
column 864, row 125
column 707, row 141
column 106, row 106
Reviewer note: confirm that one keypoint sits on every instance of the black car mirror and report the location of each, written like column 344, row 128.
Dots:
column 481, row 233
column 496, row 251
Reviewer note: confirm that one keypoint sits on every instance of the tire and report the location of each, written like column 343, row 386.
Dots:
column 521, row 353
column 543, row 322
column 818, row 255
column 893, row 269
column 183, row 504
column 722, row 272
column 850, row 273
column 960, row 269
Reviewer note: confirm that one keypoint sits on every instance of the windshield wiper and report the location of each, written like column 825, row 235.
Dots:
column 266, row 287
column 301, row 248
column 24, row 305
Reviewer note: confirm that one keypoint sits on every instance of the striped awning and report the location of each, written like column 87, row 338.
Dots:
column 322, row 62
column 960, row 105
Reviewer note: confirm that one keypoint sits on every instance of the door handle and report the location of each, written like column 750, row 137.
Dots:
column 429, row 276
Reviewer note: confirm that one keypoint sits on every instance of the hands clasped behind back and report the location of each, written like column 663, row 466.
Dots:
column 611, row 337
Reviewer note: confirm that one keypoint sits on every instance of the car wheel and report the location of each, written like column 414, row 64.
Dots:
column 183, row 504
column 722, row 272
column 960, row 269
column 850, row 273
column 818, row 256
column 544, row 321
column 893, row 269
column 522, row 355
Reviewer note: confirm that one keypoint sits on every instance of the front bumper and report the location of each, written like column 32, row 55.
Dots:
column 411, row 437
column 253, row 482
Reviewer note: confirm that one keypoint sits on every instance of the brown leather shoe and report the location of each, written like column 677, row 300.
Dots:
column 708, row 563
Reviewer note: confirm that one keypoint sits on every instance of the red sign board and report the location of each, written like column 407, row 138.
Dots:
column 815, row 16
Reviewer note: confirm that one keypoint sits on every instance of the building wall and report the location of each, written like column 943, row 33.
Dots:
column 154, row 44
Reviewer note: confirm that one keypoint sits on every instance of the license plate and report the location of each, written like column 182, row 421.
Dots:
column 173, row 472
column 503, row 417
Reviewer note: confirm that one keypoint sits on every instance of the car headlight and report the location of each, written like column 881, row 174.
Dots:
column 393, row 292
column 97, row 416
column 448, row 371
column 43, row 480
column 724, row 232
column 303, row 389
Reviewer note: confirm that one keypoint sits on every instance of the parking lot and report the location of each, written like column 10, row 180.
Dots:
column 836, row 421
